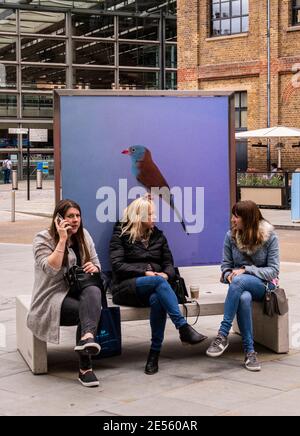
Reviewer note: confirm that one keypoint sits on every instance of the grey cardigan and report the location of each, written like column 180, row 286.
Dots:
column 50, row 287
column 265, row 258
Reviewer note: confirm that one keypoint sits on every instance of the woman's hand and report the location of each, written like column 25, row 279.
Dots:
column 163, row 275
column 62, row 229
column 89, row 268
column 235, row 273
column 150, row 274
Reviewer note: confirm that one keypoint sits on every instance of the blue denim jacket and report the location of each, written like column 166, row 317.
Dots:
column 265, row 260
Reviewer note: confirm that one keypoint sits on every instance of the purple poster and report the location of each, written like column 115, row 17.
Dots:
column 116, row 147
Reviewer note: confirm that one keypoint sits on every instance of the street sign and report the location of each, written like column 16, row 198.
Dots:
column 38, row 135
column 18, row 131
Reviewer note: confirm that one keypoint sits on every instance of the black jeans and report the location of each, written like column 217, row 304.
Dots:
column 84, row 311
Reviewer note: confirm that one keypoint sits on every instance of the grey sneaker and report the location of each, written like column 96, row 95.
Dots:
column 218, row 346
column 252, row 363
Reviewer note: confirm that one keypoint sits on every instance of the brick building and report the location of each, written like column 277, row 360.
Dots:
column 223, row 44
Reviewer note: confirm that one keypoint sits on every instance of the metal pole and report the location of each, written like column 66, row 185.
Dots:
column 269, row 79
column 14, row 179
column 13, row 206
column 162, row 38
column 28, row 170
column 39, row 179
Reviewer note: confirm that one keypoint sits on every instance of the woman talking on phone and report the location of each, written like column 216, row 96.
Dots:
column 54, row 303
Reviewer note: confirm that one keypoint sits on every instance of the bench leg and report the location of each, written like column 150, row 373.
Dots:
column 33, row 350
column 272, row 333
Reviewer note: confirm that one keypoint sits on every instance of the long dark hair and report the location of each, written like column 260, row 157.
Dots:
column 251, row 216
column 78, row 239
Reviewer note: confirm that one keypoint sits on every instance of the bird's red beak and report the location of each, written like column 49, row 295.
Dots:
column 126, row 151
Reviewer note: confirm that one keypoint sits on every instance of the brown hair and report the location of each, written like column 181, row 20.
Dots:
column 62, row 208
column 251, row 216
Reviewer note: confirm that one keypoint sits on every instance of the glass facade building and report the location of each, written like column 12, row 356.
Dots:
column 93, row 44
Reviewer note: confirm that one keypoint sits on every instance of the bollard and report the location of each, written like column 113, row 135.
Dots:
column 13, row 206
column 14, row 179
column 39, row 179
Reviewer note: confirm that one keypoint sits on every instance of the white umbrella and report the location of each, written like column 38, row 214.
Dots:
column 271, row 132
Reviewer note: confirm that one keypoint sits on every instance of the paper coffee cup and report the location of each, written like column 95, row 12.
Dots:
column 194, row 292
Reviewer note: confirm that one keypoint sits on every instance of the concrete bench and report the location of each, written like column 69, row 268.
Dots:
column 272, row 333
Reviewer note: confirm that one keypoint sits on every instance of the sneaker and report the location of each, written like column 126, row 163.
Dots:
column 252, row 363
column 218, row 346
column 88, row 346
column 89, row 379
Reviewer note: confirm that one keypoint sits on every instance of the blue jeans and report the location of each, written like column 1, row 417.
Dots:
column 158, row 294
column 242, row 291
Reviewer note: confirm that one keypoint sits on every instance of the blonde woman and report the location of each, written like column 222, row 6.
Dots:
column 143, row 269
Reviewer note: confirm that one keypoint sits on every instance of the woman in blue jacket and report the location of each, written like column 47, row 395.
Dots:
column 250, row 266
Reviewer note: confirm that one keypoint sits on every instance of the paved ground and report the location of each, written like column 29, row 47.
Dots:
column 188, row 383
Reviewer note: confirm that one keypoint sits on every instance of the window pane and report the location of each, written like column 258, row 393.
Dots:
column 7, row 49
column 225, row 10
column 8, row 76
column 49, row 23
column 236, row 8
column 245, row 24
column 171, row 56
column 171, row 81
column 237, row 120
column 96, row 26
column 37, row 106
column 43, row 78
column 225, row 27
column 216, row 28
column 244, row 99
column 7, row 20
column 43, row 50
column 93, row 79
column 8, row 108
column 94, row 53
column 139, row 28
column 245, row 7
column 237, row 99
column 171, row 30
column 139, row 55
column 236, row 25
column 216, row 10
column 139, row 80
column 244, row 119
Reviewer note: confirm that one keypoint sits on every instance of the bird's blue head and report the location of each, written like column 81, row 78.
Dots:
column 136, row 152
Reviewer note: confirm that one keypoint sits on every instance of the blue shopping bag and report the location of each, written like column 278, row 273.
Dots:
column 109, row 330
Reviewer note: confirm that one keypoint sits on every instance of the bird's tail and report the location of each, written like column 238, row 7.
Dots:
column 177, row 213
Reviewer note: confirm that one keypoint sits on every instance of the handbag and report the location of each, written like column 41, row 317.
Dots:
column 108, row 334
column 78, row 279
column 275, row 302
column 179, row 287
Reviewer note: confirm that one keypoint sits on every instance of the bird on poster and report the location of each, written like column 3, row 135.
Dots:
column 149, row 175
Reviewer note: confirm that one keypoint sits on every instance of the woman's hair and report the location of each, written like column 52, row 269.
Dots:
column 251, row 216
column 134, row 216
column 62, row 208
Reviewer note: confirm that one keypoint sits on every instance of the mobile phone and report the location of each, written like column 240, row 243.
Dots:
column 59, row 218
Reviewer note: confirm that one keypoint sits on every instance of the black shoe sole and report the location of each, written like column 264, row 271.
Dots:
column 194, row 343
column 150, row 373
column 92, row 350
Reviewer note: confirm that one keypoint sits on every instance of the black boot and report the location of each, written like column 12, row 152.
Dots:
column 188, row 335
column 152, row 363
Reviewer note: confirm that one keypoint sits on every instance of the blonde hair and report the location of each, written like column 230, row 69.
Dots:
column 134, row 216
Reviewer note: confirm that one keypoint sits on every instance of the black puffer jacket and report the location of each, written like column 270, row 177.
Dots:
column 130, row 261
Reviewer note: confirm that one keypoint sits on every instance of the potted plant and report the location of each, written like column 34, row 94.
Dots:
column 264, row 189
